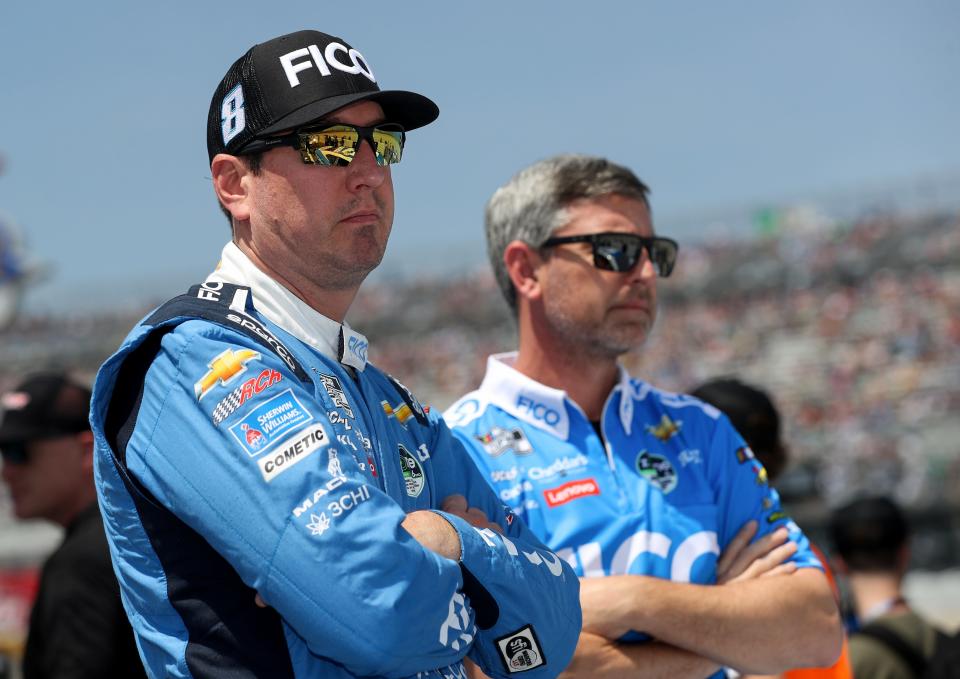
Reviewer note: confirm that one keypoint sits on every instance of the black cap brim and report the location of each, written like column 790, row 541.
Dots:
column 410, row 109
column 24, row 433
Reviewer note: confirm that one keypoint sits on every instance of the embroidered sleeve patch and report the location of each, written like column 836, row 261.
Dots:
column 520, row 650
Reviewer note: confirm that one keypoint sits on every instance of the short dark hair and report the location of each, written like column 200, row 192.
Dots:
column 254, row 162
column 753, row 414
column 869, row 533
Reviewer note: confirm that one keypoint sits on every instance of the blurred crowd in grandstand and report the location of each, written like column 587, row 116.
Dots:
column 854, row 326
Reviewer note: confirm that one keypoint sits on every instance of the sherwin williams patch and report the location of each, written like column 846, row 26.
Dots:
column 268, row 422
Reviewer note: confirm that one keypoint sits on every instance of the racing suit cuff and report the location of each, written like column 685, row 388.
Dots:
column 472, row 545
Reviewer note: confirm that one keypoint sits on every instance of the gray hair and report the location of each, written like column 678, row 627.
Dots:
column 533, row 204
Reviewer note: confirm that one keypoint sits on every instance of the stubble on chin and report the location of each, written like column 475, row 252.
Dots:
column 603, row 340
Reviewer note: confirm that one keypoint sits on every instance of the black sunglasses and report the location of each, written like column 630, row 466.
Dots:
column 338, row 143
column 621, row 251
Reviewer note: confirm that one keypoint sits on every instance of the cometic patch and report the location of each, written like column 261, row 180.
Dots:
column 292, row 451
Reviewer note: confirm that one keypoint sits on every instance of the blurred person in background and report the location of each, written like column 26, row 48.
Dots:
column 78, row 627
column 755, row 416
column 653, row 497
column 871, row 539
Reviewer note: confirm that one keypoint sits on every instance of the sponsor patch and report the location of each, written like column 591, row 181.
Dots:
column 761, row 473
column 416, row 409
column 666, row 429
column 225, row 367
column 515, row 491
column 776, row 516
column 657, row 470
column 744, row 454
column 560, row 467
column 520, row 651
column 499, row 475
column 561, row 495
column 690, row 456
column 538, row 411
column 337, row 507
column 335, row 392
column 413, row 478
column 318, row 524
column 497, row 441
column 314, row 498
column 237, row 397
column 292, row 451
column 263, row 425
column 402, row 412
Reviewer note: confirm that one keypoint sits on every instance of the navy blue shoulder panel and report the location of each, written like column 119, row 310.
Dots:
column 228, row 634
column 418, row 411
column 218, row 303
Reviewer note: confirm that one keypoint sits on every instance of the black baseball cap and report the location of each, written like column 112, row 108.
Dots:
column 44, row 405
column 295, row 79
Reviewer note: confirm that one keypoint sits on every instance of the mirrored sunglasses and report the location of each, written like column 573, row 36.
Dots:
column 622, row 251
column 337, row 145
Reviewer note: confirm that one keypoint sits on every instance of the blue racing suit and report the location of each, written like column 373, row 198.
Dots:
column 661, row 493
column 235, row 458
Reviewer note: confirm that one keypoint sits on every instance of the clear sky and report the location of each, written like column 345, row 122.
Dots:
column 104, row 109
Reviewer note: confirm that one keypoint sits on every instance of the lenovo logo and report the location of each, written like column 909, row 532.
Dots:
column 570, row 491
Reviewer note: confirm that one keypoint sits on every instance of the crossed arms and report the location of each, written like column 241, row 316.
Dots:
column 764, row 616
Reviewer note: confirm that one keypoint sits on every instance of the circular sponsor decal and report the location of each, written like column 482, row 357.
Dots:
column 412, row 472
column 657, row 470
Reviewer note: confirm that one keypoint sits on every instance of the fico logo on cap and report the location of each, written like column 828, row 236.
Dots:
column 324, row 61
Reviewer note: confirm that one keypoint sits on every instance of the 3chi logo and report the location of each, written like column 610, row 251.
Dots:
column 412, row 472
column 657, row 470
column 520, row 651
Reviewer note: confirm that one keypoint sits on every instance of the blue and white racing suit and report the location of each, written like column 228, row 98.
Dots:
column 662, row 493
column 238, row 455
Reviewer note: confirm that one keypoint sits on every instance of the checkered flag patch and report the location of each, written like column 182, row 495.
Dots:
column 227, row 406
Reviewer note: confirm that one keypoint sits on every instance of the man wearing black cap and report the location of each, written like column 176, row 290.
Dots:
column 78, row 627
column 247, row 452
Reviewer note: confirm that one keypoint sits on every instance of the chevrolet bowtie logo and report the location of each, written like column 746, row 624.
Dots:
column 224, row 368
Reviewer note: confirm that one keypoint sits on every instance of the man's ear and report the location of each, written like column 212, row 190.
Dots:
column 228, row 173
column 85, row 442
column 522, row 260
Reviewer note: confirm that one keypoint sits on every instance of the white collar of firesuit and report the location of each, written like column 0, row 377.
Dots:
column 275, row 302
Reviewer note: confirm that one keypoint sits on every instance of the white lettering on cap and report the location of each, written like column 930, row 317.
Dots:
column 355, row 64
column 232, row 114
